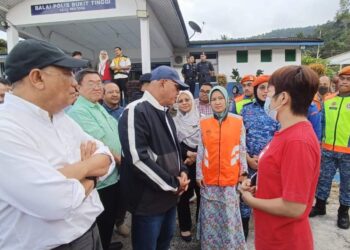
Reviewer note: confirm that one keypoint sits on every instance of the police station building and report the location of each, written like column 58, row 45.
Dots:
column 150, row 32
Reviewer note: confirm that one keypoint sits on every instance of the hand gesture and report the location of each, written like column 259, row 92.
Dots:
column 183, row 183
column 87, row 149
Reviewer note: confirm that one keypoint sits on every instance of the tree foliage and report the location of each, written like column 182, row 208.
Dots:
column 235, row 75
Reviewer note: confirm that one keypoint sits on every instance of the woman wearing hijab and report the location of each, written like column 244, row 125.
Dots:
column 260, row 129
column 103, row 67
column 221, row 164
column 187, row 126
column 289, row 165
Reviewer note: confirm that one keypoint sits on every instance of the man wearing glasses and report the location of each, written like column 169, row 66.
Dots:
column 152, row 173
column 202, row 103
column 95, row 121
column 48, row 164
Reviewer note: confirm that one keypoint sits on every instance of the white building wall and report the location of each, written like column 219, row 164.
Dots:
column 227, row 60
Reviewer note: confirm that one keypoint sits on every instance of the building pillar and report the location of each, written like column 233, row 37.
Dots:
column 12, row 37
column 145, row 42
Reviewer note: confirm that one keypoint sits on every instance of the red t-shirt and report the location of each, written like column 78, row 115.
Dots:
column 289, row 167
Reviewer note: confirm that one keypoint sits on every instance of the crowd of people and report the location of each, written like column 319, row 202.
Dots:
column 76, row 155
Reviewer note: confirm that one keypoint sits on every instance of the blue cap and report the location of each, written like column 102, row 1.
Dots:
column 167, row 73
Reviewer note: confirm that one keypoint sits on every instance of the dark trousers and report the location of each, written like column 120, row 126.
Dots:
column 183, row 207
column 121, row 82
column 192, row 84
column 331, row 161
column 153, row 232
column 88, row 241
column 121, row 210
column 106, row 219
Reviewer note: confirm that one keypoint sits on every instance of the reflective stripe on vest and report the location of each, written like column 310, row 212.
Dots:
column 240, row 104
column 337, row 124
column 221, row 164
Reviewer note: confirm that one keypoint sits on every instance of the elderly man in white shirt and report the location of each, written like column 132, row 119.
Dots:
column 48, row 164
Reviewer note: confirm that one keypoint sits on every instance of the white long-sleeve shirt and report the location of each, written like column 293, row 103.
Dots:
column 39, row 207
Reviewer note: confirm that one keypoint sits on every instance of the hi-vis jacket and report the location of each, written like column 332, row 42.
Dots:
column 337, row 124
column 221, row 164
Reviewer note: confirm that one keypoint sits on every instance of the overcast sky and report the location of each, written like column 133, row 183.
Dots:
column 238, row 19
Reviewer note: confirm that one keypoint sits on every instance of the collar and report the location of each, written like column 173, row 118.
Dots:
column 108, row 108
column 153, row 101
column 30, row 107
column 85, row 102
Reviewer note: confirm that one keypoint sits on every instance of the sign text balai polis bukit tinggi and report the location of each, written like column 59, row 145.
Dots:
column 74, row 6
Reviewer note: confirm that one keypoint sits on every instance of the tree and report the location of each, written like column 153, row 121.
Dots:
column 235, row 75
column 344, row 7
column 224, row 37
column 300, row 35
column 259, row 72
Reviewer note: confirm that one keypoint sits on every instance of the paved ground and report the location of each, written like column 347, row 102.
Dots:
column 327, row 236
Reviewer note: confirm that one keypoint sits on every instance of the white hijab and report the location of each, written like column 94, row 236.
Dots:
column 187, row 124
column 102, row 63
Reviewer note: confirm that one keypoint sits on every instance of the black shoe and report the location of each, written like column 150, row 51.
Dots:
column 187, row 238
column 117, row 245
column 317, row 211
column 343, row 221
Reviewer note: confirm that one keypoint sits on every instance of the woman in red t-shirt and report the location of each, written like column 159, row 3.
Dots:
column 288, row 166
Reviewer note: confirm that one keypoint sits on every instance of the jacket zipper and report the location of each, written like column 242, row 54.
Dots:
column 336, row 123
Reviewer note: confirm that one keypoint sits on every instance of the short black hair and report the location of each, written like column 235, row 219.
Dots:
column 79, row 76
column 206, row 84
column 76, row 53
column 118, row 48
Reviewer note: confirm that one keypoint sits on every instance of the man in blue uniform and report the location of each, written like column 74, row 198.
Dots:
column 205, row 70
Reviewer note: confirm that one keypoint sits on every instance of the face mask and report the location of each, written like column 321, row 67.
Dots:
column 272, row 113
column 322, row 90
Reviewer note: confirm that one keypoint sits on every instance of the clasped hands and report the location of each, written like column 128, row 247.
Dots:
column 183, row 183
column 247, row 191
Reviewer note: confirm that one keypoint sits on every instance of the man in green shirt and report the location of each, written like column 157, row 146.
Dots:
column 95, row 120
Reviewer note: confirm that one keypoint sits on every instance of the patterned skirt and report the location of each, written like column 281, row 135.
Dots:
column 220, row 225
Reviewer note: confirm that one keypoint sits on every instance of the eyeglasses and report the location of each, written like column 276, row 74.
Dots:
column 204, row 91
column 219, row 98
column 184, row 100
column 93, row 85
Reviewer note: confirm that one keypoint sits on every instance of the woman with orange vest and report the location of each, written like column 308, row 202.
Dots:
column 221, row 163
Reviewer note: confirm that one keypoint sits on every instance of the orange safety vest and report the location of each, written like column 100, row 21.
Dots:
column 221, row 164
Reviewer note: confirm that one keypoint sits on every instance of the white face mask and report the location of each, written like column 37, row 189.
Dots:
column 272, row 113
